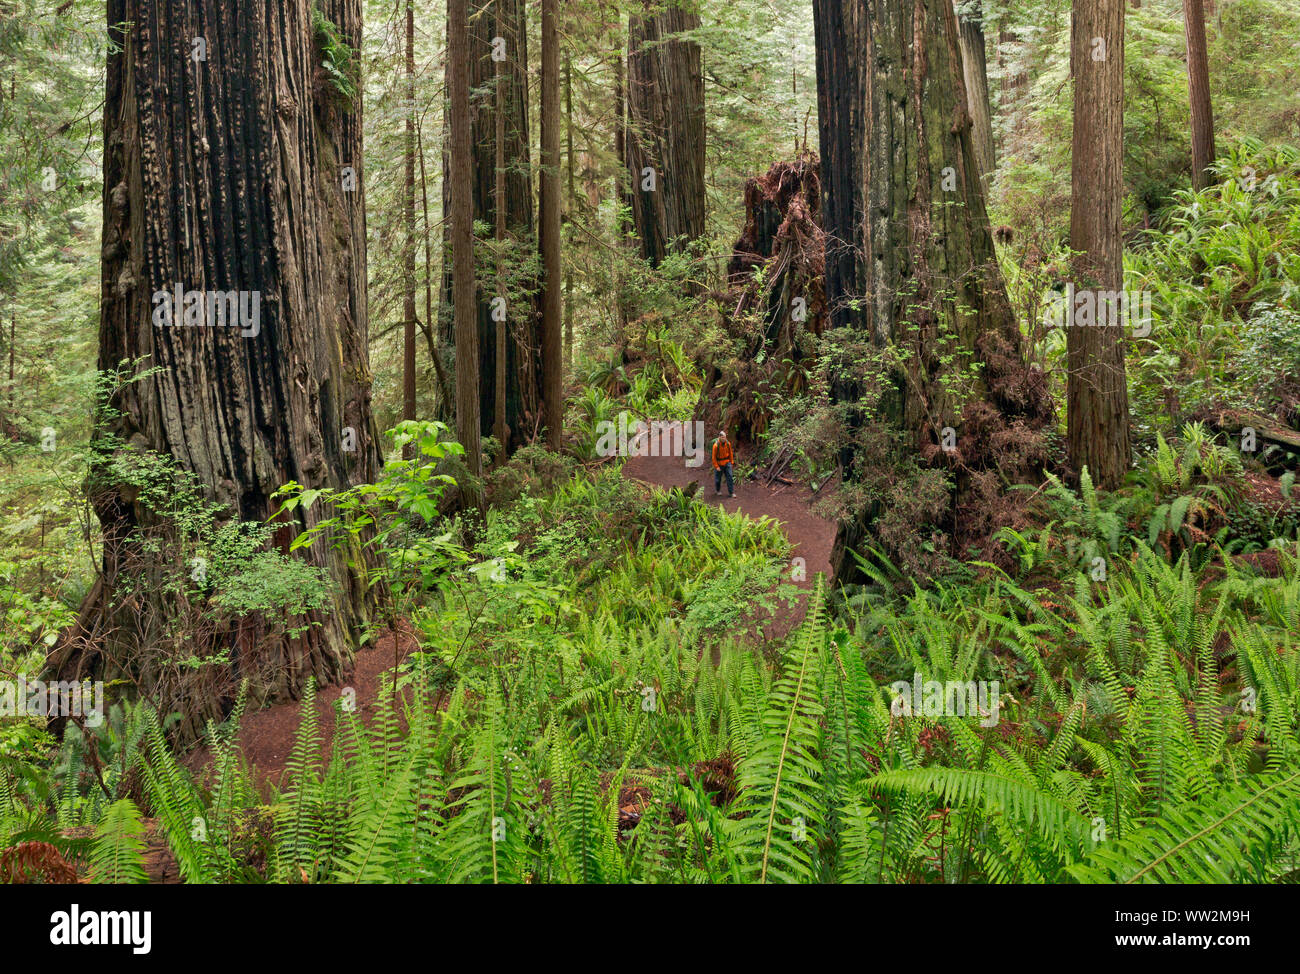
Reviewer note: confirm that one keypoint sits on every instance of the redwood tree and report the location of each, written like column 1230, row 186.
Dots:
column 665, row 127
column 498, row 92
column 408, row 243
column 1096, row 387
column 974, row 59
column 840, row 28
column 549, row 219
column 570, row 205
column 1198, row 89
column 468, row 332
column 913, row 265
column 500, row 106
column 232, row 162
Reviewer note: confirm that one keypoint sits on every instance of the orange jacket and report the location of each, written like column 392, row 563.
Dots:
column 722, row 454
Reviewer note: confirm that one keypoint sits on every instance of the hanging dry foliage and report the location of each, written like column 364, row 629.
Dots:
column 776, row 297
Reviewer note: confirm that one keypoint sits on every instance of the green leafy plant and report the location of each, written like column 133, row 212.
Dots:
column 338, row 60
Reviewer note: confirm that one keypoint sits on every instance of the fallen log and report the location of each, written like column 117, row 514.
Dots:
column 1234, row 422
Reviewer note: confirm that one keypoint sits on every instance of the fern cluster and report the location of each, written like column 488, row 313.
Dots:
column 568, row 719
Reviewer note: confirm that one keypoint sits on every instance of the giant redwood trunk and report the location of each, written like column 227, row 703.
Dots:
column 929, row 287
column 840, row 30
column 549, row 220
column 408, row 243
column 231, row 163
column 467, row 330
column 1198, row 89
column 524, row 347
column 975, row 71
column 665, row 128
column 1096, row 386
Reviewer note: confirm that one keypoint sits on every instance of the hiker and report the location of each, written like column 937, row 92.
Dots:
column 723, row 458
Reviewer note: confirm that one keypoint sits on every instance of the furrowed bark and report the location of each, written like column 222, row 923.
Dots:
column 910, row 258
column 464, row 306
column 665, row 134
column 1198, row 89
column 841, row 34
column 500, row 420
column 974, row 59
column 1097, row 390
column 523, row 321
column 549, row 219
column 232, row 163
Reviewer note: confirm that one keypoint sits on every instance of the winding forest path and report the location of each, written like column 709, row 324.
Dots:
column 811, row 536
column 267, row 735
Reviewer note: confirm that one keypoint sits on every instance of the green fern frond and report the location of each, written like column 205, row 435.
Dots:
column 1237, row 835
column 1024, row 805
column 781, row 801
column 117, row 855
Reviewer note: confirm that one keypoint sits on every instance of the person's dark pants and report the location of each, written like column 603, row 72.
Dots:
column 717, row 479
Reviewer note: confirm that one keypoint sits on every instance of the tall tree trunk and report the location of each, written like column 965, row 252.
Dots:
column 1010, row 43
column 841, row 33
column 571, row 201
column 408, row 248
column 464, row 304
column 446, row 398
column 231, row 164
column 549, row 218
column 620, row 111
column 974, row 59
column 623, row 188
column 1198, row 89
column 665, row 137
column 917, row 246
column 1097, row 390
column 500, row 418
column 524, row 348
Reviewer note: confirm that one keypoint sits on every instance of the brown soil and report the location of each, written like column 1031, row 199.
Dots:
column 1265, row 561
column 267, row 735
column 717, row 778
column 267, row 738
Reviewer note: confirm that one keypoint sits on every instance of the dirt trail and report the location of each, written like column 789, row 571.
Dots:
column 267, row 735
column 812, row 536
